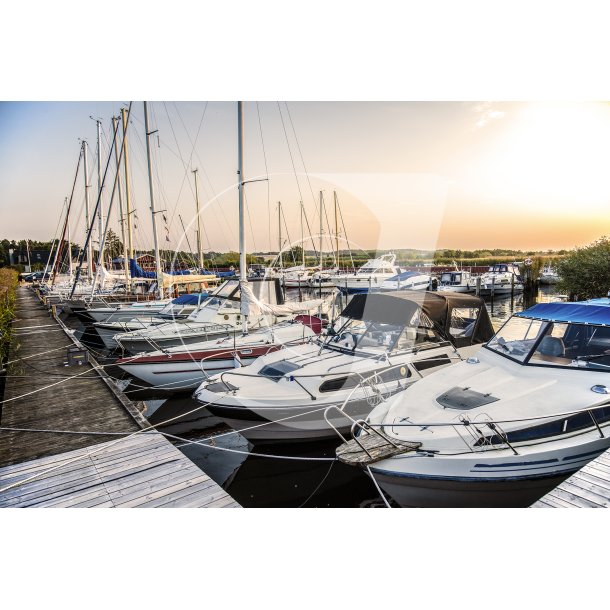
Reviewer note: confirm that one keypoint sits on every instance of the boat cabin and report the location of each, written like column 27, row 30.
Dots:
column 408, row 320
column 453, row 278
column 566, row 335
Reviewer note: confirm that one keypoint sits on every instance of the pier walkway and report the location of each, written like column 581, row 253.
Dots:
column 47, row 405
column 587, row 488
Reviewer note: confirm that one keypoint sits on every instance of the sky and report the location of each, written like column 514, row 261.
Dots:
column 425, row 175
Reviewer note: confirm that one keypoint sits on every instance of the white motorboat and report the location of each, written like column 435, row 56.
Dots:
column 177, row 309
column 501, row 279
column 297, row 277
column 392, row 339
column 549, row 275
column 123, row 311
column 323, row 280
column 185, row 367
column 370, row 276
column 456, row 281
column 506, row 426
column 407, row 280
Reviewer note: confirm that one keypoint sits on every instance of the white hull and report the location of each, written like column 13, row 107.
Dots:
column 485, row 478
column 500, row 289
column 181, row 375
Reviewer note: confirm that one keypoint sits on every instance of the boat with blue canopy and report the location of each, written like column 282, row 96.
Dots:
column 504, row 427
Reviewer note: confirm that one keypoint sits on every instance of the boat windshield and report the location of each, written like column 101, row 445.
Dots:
column 554, row 343
column 516, row 338
column 376, row 336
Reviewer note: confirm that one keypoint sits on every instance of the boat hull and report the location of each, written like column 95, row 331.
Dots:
column 301, row 423
column 484, row 479
column 443, row 493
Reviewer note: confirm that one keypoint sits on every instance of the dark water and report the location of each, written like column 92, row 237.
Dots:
column 273, row 481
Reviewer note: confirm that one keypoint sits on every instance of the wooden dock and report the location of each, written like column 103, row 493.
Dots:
column 71, row 430
column 587, row 488
column 84, row 403
column 142, row 470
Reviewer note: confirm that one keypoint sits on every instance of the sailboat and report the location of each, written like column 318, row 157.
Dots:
column 249, row 305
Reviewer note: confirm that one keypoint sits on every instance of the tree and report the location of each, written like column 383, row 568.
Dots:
column 113, row 246
column 585, row 272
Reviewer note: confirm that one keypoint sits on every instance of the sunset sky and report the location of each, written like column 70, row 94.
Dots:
column 423, row 175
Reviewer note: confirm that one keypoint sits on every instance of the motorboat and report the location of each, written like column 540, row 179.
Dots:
column 185, row 367
column 297, row 276
column 505, row 426
column 501, row 279
column 380, row 344
column 456, row 281
column 220, row 315
column 176, row 309
column 371, row 275
column 322, row 280
column 407, row 280
column 549, row 275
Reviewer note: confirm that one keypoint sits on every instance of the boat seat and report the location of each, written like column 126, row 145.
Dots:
column 551, row 346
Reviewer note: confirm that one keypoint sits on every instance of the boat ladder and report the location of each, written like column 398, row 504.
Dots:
column 370, row 445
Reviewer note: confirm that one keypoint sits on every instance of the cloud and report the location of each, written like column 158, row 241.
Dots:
column 486, row 113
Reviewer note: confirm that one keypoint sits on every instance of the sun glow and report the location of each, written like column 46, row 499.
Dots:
column 552, row 156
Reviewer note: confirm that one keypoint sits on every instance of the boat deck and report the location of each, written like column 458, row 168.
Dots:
column 587, row 488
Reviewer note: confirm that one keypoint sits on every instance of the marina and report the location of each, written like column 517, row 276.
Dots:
column 312, row 376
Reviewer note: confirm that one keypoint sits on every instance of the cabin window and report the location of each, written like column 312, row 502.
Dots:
column 463, row 321
column 574, row 345
column 340, row 383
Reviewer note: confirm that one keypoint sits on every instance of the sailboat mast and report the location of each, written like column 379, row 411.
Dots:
column 152, row 203
column 100, row 214
column 321, row 227
column 69, row 245
column 243, row 278
column 302, row 239
column 115, row 121
column 128, row 212
column 279, row 231
column 87, row 220
column 336, row 230
column 199, row 250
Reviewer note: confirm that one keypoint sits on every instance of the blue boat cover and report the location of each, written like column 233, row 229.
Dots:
column 190, row 299
column 582, row 312
column 136, row 271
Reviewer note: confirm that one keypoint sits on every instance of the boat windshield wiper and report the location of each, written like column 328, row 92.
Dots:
column 593, row 356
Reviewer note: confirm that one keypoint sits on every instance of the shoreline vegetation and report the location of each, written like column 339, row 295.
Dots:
column 404, row 256
column 8, row 287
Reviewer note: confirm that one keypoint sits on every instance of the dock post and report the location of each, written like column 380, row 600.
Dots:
column 477, row 287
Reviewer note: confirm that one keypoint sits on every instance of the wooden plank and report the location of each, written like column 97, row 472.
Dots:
column 69, row 500
column 586, row 489
column 574, row 495
column 73, row 481
column 176, row 498
column 162, row 489
column 599, row 483
column 560, row 499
